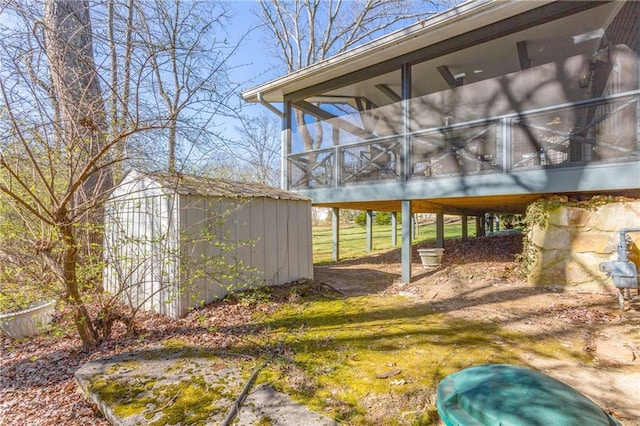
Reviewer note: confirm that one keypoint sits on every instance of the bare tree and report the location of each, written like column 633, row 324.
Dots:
column 188, row 56
column 259, row 148
column 303, row 32
column 63, row 123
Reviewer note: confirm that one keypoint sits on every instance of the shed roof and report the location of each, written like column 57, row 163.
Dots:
column 188, row 184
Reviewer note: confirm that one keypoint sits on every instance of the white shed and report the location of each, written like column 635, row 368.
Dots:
column 175, row 241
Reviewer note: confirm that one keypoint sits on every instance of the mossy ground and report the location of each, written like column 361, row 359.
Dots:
column 329, row 355
column 335, row 350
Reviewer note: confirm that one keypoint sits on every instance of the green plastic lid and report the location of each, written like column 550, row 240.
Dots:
column 497, row 394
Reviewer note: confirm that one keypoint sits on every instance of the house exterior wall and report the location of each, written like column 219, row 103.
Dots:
column 173, row 252
column 569, row 100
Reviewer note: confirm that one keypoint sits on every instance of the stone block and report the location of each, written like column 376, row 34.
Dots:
column 555, row 275
column 558, row 216
column 595, row 242
column 584, row 268
column 551, row 258
column 551, row 237
column 578, row 217
column 614, row 350
column 615, row 216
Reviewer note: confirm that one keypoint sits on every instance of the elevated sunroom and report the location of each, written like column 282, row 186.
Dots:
column 483, row 108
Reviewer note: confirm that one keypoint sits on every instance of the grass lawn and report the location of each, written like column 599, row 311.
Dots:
column 353, row 238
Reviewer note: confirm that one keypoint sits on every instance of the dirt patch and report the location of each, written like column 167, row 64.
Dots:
column 477, row 280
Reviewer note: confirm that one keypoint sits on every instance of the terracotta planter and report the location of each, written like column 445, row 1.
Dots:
column 28, row 322
column 430, row 256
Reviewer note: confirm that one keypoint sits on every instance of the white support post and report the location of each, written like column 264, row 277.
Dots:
column 335, row 234
column 369, row 231
column 406, row 241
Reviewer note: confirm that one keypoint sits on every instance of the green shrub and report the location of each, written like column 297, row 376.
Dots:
column 381, row 218
column 361, row 218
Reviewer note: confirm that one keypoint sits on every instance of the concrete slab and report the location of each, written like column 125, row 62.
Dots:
column 268, row 404
column 182, row 385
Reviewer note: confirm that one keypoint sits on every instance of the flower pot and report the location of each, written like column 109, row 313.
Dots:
column 430, row 256
column 28, row 322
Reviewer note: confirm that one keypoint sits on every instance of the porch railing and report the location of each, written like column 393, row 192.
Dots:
column 598, row 130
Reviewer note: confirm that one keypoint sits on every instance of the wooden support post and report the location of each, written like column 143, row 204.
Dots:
column 335, row 234
column 465, row 228
column 440, row 230
column 480, row 225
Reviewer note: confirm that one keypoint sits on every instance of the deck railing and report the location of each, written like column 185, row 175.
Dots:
column 597, row 130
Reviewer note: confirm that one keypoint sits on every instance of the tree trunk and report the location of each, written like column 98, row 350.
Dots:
column 69, row 48
column 81, row 316
column 173, row 129
column 82, row 132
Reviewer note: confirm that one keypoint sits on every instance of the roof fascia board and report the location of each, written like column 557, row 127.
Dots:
column 540, row 15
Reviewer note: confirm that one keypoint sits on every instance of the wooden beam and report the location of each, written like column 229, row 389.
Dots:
column 449, row 78
column 523, row 55
column 391, row 94
column 439, row 230
column 336, row 121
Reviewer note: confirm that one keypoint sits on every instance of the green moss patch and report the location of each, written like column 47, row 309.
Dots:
column 170, row 386
column 379, row 360
column 362, row 360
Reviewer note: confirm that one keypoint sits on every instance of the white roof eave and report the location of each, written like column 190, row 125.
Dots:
column 466, row 17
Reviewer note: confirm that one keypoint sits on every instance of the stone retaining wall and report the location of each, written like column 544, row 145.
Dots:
column 567, row 251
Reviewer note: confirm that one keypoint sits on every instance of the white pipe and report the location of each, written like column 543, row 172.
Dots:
column 270, row 107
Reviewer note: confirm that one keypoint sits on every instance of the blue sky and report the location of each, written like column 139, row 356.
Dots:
column 252, row 64
column 252, row 56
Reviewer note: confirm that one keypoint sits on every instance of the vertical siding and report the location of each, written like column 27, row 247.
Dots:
column 243, row 239
column 148, row 232
column 282, row 220
column 213, row 289
column 292, row 240
column 192, row 286
column 270, row 238
column 258, row 248
column 139, row 243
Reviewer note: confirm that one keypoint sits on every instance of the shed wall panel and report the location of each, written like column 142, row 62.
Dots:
column 270, row 237
column 137, row 232
column 282, row 242
column 258, row 248
column 292, row 240
column 243, row 242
